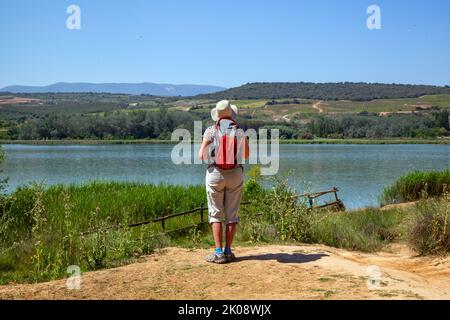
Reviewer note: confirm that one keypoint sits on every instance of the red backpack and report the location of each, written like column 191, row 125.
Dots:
column 225, row 144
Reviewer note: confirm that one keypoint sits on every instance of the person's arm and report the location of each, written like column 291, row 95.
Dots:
column 202, row 152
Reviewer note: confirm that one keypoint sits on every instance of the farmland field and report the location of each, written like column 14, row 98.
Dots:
column 387, row 105
column 261, row 110
column 40, row 104
column 117, row 116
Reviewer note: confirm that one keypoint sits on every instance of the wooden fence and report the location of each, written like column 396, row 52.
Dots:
column 338, row 204
column 162, row 219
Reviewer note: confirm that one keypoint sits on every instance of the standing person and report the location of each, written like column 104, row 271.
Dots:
column 224, row 176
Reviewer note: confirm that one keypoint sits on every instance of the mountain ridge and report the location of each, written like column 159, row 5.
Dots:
column 157, row 89
column 353, row 91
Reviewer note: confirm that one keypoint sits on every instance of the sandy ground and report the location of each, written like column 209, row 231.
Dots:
column 266, row 272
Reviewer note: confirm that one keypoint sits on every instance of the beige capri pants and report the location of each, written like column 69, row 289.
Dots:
column 224, row 193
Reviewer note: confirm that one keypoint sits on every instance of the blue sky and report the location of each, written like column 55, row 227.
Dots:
column 225, row 43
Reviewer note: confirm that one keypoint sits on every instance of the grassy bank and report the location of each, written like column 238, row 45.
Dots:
column 424, row 226
column 416, row 185
column 41, row 228
column 445, row 141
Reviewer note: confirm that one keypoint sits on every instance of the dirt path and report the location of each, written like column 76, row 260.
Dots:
column 268, row 272
column 317, row 106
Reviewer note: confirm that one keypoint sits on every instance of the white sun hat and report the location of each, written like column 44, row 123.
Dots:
column 224, row 109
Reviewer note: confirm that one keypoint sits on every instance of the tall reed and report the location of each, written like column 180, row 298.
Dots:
column 416, row 185
column 41, row 228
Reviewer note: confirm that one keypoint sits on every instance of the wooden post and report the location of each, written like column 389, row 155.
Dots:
column 335, row 193
column 163, row 224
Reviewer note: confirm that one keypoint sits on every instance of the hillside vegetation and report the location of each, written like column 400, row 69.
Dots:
column 298, row 115
column 326, row 91
column 43, row 230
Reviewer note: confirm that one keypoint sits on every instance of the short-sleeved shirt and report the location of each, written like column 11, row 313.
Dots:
column 210, row 133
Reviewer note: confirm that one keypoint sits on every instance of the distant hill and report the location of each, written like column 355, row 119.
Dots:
column 326, row 91
column 127, row 88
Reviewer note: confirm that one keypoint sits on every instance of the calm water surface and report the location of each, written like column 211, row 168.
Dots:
column 359, row 171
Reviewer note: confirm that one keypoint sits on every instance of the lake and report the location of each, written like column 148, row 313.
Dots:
column 359, row 171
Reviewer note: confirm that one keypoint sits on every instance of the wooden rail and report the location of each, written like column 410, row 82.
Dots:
column 162, row 219
column 311, row 196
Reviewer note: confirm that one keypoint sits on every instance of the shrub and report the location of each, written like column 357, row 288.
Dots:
column 252, row 186
column 306, row 136
column 415, row 185
column 430, row 230
column 40, row 228
column 277, row 214
column 16, row 214
column 365, row 230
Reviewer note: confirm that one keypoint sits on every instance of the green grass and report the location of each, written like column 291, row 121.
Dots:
column 249, row 104
column 245, row 106
column 365, row 230
column 40, row 228
column 44, row 230
column 257, row 109
column 292, row 108
column 417, row 184
column 119, row 202
column 344, row 106
column 430, row 227
column 99, row 103
column 387, row 105
column 441, row 100
column 277, row 217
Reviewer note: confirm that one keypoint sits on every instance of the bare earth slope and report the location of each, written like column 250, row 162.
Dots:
column 266, row 272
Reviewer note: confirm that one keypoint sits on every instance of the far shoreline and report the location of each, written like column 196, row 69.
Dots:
column 444, row 141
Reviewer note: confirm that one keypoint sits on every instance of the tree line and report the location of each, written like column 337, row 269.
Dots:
column 115, row 125
column 161, row 123
column 374, row 127
column 326, row 91
column 426, row 125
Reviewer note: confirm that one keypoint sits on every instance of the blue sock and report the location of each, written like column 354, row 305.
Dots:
column 218, row 251
column 227, row 250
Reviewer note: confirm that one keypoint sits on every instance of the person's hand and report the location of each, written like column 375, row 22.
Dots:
column 202, row 151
